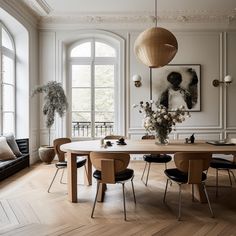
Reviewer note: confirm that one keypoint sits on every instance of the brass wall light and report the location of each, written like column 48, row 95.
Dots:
column 137, row 80
column 227, row 80
column 156, row 46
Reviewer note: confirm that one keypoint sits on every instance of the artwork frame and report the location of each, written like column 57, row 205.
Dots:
column 178, row 84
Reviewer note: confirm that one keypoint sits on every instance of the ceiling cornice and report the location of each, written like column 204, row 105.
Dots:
column 140, row 17
column 38, row 7
column 18, row 8
column 48, row 17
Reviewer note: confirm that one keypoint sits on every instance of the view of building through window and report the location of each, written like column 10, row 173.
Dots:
column 93, row 73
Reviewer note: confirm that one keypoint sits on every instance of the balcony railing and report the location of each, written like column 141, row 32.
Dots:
column 83, row 129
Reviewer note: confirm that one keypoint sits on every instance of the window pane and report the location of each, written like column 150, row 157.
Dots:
column 8, row 123
column 81, row 117
column 104, row 117
column 8, row 98
column 104, row 100
column 81, row 124
column 81, row 76
column 81, row 99
column 104, row 50
column 6, row 41
column 8, row 70
column 104, row 124
column 82, row 50
column 104, row 75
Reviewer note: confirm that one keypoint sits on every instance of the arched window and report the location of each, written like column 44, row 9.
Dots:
column 94, row 87
column 7, row 78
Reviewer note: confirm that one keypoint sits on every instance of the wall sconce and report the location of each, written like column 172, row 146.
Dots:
column 137, row 80
column 227, row 80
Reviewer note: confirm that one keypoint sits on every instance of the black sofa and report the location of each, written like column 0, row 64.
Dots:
column 10, row 167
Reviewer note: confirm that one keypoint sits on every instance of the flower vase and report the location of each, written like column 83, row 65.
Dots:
column 162, row 138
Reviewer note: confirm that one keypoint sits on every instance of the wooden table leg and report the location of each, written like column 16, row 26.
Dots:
column 88, row 175
column 234, row 158
column 72, row 176
column 199, row 193
column 101, row 192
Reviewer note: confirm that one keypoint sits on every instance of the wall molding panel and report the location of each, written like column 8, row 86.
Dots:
column 209, row 126
column 230, row 91
column 205, row 48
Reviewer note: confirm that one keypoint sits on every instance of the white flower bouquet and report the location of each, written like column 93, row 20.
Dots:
column 161, row 120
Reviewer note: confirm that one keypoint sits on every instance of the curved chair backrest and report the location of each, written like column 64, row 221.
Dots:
column 57, row 144
column 193, row 163
column 114, row 137
column 148, row 137
column 109, row 164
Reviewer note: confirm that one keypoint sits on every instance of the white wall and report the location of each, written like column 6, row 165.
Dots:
column 213, row 50
column 230, row 68
column 203, row 48
column 23, row 27
column 47, row 72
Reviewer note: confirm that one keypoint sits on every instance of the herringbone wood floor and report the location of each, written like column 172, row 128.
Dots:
column 27, row 209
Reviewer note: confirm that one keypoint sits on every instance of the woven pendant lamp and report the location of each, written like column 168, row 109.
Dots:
column 156, row 46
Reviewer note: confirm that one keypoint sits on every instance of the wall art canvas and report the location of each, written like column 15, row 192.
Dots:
column 176, row 85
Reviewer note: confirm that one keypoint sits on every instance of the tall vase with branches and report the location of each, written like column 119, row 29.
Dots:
column 55, row 101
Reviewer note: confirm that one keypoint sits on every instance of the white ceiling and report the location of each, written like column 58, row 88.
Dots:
column 139, row 5
column 63, row 7
column 138, row 11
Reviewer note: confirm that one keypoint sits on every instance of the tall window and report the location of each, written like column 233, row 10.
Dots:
column 7, row 79
column 93, row 76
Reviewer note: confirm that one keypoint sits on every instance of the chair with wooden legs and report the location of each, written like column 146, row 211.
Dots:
column 62, row 164
column 111, row 168
column 189, row 169
column 223, row 164
column 153, row 158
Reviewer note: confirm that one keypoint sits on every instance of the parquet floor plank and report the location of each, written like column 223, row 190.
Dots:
column 27, row 209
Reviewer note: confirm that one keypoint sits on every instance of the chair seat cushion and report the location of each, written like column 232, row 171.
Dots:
column 61, row 164
column 80, row 162
column 121, row 176
column 179, row 176
column 221, row 163
column 157, row 158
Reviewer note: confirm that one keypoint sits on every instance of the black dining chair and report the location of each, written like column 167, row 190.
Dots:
column 111, row 168
column 153, row 158
column 190, row 169
column 62, row 163
column 223, row 164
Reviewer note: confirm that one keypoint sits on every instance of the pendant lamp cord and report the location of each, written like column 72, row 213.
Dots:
column 155, row 13
column 150, row 84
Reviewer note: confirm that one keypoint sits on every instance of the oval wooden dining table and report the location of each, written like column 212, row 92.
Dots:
column 132, row 147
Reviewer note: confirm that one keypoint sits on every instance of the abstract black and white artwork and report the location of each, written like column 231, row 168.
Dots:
column 177, row 85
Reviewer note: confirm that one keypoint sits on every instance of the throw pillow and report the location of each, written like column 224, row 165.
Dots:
column 5, row 151
column 13, row 145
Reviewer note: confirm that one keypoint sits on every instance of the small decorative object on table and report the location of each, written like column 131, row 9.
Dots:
column 109, row 144
column 102, row 142
column 121, row 141
column 191, row 139
column 161, row 120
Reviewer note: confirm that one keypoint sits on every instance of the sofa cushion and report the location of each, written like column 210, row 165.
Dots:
column 13, row 145
column 4, row 164
column 5, row 151
column 11, row 163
